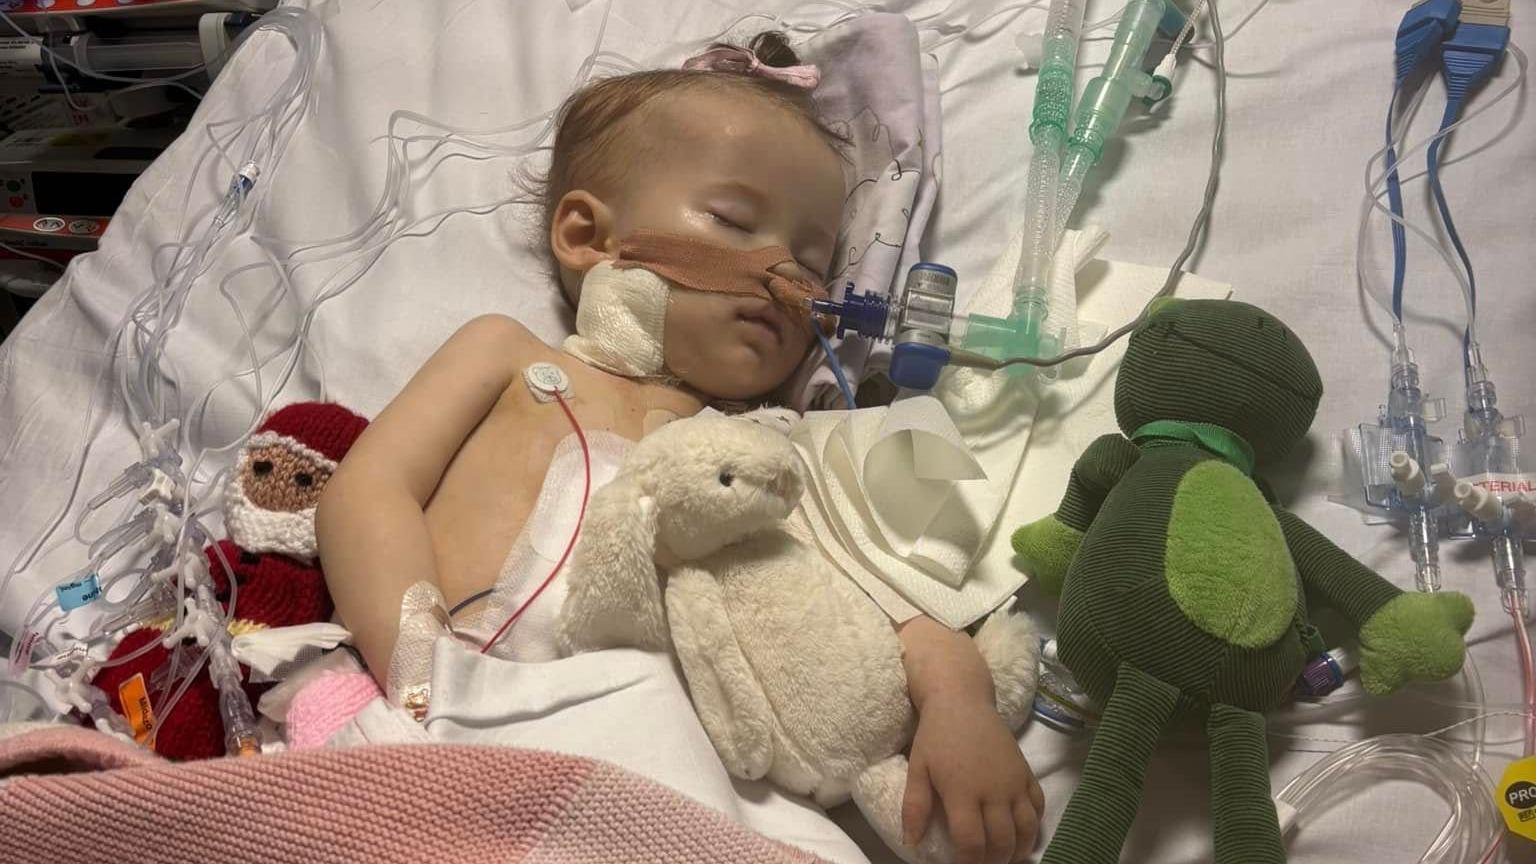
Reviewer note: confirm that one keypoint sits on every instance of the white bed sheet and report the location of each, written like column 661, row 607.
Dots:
column 1308, row 88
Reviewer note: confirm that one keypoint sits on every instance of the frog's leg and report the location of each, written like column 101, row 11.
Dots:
column 1247, row 831
column 1094, row 825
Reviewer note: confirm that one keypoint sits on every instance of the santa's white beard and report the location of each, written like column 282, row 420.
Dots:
column 257, row 530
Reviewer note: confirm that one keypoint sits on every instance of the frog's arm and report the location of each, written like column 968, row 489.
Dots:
column 1330, row 575
column 1046, row 546
column 1403, row 636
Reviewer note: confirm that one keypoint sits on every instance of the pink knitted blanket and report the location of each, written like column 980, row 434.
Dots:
column 365, row 804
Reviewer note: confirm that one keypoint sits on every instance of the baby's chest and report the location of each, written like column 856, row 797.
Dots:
column 508, row 454
column 493, row 483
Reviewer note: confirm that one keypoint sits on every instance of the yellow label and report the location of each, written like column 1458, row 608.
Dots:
column 1517, row 797
column 134, row 697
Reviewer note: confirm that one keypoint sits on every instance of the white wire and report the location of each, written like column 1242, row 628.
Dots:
column 1257, row 8
column 1188, row 29
column 960, row 32
column 1401, row 125
column 33, row 255
column 274, row 120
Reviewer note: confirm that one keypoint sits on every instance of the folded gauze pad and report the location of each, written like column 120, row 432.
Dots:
column 619, row 321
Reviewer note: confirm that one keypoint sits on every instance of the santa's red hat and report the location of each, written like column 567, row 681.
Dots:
column 322, row 428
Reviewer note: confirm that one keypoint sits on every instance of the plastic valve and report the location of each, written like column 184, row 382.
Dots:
column 1478, row 502
column 1406, row 474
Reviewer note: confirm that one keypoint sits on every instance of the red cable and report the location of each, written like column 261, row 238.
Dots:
column 586, row 490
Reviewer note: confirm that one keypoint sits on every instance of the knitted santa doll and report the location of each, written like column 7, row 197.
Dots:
column 269, row 514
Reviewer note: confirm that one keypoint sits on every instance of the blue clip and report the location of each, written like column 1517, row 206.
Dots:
column 73, row 595
column 916, row 366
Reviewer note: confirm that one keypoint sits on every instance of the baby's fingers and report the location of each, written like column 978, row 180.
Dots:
column 968, row 832
column 1001, row 833
column 1026, row 826
column 916, row 804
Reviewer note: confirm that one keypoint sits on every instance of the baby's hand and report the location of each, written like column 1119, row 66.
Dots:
column 965, row 755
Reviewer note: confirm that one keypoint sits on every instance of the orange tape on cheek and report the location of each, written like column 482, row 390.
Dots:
column 702, row 266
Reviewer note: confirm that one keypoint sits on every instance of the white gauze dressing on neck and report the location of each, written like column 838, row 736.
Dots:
column 619, row 321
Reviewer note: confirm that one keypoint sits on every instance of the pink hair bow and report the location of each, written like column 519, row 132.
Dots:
column 729, row 58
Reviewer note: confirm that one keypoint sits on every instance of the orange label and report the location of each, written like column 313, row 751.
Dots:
column 134, row 697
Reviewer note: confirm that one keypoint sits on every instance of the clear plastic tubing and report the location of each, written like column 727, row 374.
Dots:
column 1475, row 830
column 1361, row 767
column 1048, row 136
column 1104, row 102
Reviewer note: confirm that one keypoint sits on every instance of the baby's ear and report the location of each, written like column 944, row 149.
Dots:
column 613, row 597
column 581, row 232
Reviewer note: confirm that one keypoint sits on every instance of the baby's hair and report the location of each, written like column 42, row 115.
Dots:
column 594, row 119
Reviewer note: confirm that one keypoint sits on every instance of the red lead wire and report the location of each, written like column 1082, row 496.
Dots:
column 586, row 491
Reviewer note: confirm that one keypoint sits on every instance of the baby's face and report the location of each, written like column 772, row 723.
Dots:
column 740, row 173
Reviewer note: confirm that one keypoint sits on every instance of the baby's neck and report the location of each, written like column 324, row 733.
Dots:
column 668, row 394
column 674, row 395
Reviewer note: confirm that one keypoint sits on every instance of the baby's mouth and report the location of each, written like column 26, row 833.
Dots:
column 768, row 321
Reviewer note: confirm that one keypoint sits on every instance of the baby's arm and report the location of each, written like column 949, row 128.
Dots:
column 963, row 752
column 370, row 523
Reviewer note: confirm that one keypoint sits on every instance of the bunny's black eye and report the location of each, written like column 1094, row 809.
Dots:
column 727, row 478
column 304, row 479
column 262, row 467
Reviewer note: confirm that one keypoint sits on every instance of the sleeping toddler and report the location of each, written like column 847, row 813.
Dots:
column 720, row 177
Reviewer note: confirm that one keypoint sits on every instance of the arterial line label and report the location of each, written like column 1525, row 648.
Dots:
column 1505, row 484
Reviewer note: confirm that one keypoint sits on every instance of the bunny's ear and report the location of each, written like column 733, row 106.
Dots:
column 613, row 597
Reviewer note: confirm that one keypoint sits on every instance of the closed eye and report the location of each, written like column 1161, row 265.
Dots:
column 728, row 223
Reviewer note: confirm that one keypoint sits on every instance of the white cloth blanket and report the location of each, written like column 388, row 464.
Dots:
column 880, row 92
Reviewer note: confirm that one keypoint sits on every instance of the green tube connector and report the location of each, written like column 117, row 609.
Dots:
column 1022, row 334
column 1105, row 101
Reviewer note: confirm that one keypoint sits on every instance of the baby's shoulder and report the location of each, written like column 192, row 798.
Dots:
column 497, row 329
column 497, row 340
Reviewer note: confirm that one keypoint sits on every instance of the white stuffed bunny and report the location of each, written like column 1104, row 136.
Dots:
column 795, row 673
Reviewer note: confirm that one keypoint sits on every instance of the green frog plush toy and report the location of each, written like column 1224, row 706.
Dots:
column 1184, row 586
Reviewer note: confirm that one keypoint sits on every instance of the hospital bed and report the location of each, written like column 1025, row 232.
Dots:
column 1308, row 84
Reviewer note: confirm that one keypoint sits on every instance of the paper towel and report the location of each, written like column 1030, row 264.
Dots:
column 916, row 502
column 903, row 498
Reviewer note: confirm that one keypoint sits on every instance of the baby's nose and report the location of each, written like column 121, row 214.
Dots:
column 791, row 271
